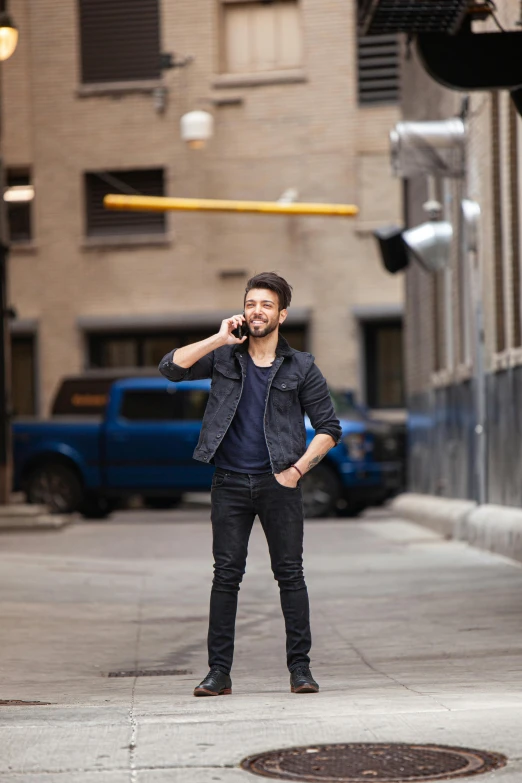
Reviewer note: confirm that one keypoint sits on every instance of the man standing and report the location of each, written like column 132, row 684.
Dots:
column 253, row 431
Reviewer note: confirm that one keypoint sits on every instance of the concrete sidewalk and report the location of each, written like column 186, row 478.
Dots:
column 416, row 639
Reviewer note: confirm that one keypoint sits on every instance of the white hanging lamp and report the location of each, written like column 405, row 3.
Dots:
column 197, row 127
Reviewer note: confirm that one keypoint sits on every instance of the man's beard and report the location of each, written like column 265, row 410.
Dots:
column 268, row 329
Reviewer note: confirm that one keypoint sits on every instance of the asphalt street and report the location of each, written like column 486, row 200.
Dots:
column 416, row 639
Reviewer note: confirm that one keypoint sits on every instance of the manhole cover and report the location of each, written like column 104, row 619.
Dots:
column 150, row 673
column 361, row 762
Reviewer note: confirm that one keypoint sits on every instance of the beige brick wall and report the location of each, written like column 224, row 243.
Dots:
column 309, row 135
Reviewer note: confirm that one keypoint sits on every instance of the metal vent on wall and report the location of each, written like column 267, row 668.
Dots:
column 120, row 40
column 410, row 16
column 102, row 222
column 378, row 68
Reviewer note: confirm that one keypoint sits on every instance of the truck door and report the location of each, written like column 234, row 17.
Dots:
column 150, row 441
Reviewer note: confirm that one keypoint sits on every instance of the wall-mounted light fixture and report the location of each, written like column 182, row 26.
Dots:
column 8, row 36
column 430, row 244
column 197, row 127
column 420, row 148
column 393, row 251
column 19, row 194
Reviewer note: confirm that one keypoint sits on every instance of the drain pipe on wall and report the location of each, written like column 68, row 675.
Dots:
column 449, row 328
column 471, row 217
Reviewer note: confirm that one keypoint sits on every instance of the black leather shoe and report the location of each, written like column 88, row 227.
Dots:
column 216, row 683
column 301, row 680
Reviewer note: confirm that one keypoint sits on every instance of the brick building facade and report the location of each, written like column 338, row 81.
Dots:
column 456, row 449
column 88, row 110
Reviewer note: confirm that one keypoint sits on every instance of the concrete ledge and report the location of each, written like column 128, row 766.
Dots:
column 495, row 528
column 443, row 515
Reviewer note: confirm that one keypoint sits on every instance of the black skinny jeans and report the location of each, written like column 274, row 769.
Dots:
column 236, row 499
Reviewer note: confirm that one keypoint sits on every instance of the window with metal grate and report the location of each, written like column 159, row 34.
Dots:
column 103, row 222
column 378, row 69
column 120, row 40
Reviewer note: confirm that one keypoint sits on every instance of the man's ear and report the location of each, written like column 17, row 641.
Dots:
column 282, row 316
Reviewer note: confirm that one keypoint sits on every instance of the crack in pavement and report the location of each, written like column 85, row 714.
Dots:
column 132, row 716
column 373, row 668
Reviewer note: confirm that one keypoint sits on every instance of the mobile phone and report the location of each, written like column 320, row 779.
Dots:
column 241, row 330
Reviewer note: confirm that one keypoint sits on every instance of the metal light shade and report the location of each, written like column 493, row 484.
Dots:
column 8, row 37
column 197, row 127
column 430, row 244
column 434, row 147
column 394, row 255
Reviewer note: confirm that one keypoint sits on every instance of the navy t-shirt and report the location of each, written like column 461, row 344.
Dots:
column 244, row 449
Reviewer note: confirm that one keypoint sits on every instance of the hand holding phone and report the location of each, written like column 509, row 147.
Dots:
column 241, row 331
column 233, row 330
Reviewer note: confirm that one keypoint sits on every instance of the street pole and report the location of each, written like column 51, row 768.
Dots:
column 8, row 42
column 5, row 373
column 163, row 204
column 471, row 218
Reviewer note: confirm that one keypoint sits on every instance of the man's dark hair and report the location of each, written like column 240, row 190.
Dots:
column 272, row 282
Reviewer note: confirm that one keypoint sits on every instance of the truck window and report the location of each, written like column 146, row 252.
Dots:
column 194, row 403
column 150, row 405
column 145, row 405
column 82, row 397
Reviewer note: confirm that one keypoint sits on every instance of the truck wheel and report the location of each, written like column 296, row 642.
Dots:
column 352, row 509
column 320, row 492
column 55, row 485
column 94, row 507
column 161, row 503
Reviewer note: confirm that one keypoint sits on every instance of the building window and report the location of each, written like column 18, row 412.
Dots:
column 23, row 374
column 103, row 222
column 120, row 40
column 260, row 36
column 383, row 351
column 378, row 69
column 146, row 349
column 18, row 198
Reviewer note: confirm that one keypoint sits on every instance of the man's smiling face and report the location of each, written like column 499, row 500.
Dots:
column 262, row 312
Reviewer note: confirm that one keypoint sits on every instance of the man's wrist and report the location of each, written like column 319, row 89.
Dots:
column 296, row 470
column 218, row 341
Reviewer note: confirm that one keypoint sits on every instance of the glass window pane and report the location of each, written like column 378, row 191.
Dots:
column 389, row 358
column 151, row 405
column 296, row 337
column 120, row 352
column 263, row 22
column 262, row 36
column 146, row 349
column 237, row 44
column 23, row 375
column 155, row 348
column 194, row 403
column 19, row 213
column 289, row 36
column 384, row 364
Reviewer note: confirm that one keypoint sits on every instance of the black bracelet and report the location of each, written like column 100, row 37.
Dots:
column 295, row 466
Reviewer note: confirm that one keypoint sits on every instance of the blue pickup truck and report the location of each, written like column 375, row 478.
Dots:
column 113, row 438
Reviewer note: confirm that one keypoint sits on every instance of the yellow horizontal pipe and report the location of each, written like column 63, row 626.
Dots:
column 161, row 204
